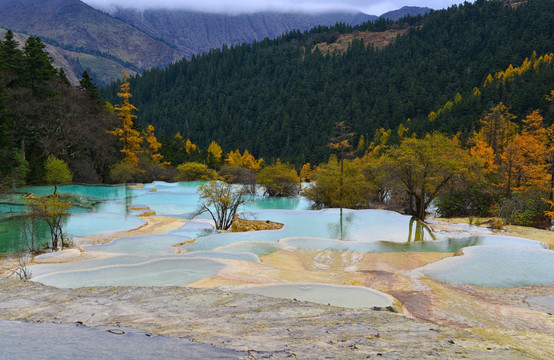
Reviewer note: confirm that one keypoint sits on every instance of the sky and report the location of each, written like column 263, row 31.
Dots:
column 372, row 7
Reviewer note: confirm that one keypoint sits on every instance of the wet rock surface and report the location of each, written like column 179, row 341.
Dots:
column 265, row 327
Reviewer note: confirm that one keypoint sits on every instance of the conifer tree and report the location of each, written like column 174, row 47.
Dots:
column 130, row 137
column 87, row 84
column 153, row 145
column 37, row 63
column 11, row 60
column 214, row 155
column 497, row 128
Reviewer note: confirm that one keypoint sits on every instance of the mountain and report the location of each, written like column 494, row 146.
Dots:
column 196, row 32
column 91, row 39
column 405, row 11
column 281, row 98
column 74, row 62
column 84, row 38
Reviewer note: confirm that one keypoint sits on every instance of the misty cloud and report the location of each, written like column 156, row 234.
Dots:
column 372, row 7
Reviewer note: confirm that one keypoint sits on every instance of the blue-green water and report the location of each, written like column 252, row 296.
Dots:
column 155, row 260
column 343, row 296
column 497, row 266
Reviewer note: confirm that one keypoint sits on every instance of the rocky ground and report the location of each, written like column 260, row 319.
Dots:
column 435, row 320
column 266, row 327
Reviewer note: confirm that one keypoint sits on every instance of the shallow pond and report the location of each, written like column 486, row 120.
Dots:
column 155, row 260
column 497, row 266
column 343, row 296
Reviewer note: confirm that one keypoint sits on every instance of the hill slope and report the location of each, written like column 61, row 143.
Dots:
column 106, row 69
column 280, row 100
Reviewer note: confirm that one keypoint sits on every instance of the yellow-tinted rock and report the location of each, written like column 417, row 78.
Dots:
column 241, row 225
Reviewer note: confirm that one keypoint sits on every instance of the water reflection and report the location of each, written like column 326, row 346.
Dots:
column 340, row 230
column 18, row 233
column 420, row 230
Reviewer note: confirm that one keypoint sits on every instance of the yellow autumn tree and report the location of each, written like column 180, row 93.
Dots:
column 536, row 152
column 421, row 168
column 250, row 162
column 484, row 160
column 153, row 145
column 306, row 172
column 246, row 160
column 214, row 155
column 190, row 147
column 550, row 150
column 355, row 191
column 550, row 97
column 382, row 136
column 130, row 137
column 550, row 213
column 279, row 180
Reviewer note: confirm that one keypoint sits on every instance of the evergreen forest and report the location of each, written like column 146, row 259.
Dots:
column 281, row 98
column 42, row 115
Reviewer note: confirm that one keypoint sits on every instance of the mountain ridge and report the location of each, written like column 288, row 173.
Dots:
column 104, row 44
column 79, row 28
column 405, row 11
column 196, row 32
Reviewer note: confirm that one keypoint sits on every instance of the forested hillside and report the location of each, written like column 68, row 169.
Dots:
column 281, row 98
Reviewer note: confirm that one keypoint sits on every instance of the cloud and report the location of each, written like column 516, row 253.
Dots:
column 373, row 7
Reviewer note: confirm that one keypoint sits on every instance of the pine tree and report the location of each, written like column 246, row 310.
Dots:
column 214, row 155
column 87, row 84
column 38, row 67
column 11, row 60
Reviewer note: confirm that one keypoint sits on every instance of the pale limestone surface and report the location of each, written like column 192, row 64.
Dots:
column 265, row 327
